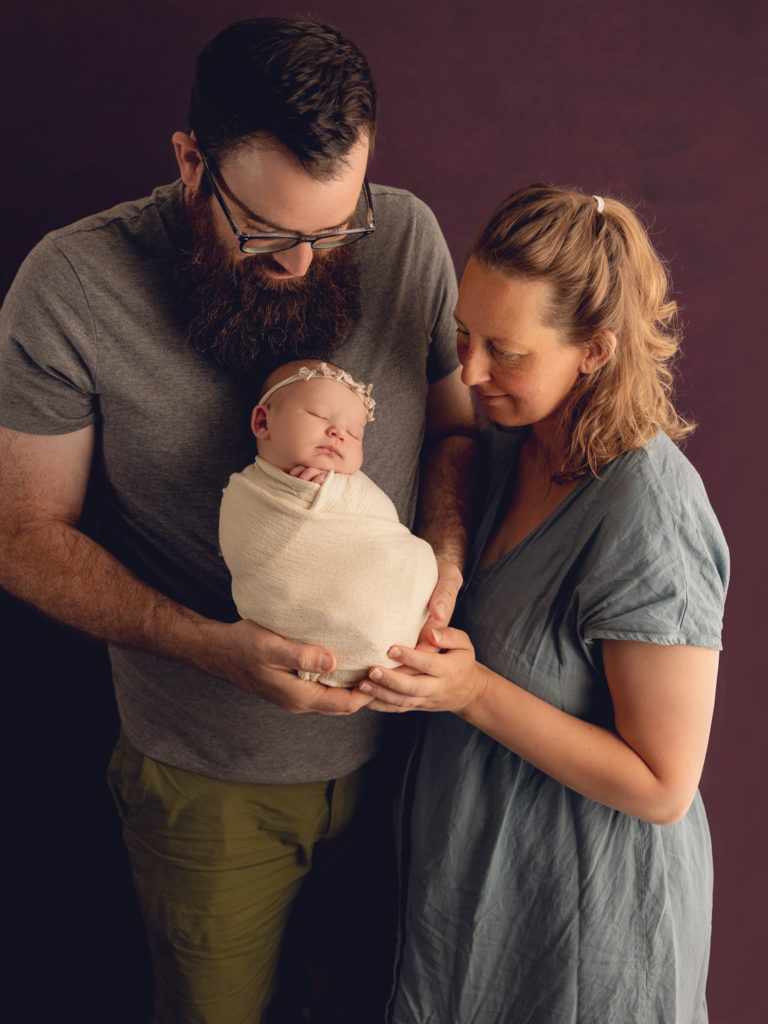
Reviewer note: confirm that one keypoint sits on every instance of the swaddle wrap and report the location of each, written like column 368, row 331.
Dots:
column 326, row 564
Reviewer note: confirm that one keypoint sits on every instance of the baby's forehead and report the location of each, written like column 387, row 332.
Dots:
column 322, row 372
column 322, row 389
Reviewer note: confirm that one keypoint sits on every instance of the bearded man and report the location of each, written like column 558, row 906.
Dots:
column 132, row 344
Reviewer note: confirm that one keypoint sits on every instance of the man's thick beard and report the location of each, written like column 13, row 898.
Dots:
column 250, row 323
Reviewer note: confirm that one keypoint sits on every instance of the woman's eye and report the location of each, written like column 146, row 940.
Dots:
column 499, row 353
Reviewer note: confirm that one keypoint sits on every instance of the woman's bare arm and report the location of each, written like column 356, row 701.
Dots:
column 649, row 766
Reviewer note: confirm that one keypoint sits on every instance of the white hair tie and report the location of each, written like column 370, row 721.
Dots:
column 600, row 203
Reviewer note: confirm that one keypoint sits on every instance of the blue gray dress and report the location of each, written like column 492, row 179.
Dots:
column 525, row 902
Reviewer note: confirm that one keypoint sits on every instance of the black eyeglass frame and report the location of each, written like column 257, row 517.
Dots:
column 350, row 235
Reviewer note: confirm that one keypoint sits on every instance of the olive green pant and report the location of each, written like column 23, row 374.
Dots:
column 217, row 867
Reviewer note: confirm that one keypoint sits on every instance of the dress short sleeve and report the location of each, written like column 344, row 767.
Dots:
column 657, row 569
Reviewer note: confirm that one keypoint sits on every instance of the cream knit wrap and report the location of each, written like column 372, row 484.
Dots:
column 326, row 564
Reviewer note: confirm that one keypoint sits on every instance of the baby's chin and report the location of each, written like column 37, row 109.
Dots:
column 334, row 462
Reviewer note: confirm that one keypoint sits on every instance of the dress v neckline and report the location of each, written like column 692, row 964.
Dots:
column 494, row 517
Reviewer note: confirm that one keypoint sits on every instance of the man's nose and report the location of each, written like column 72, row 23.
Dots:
column 295, row 261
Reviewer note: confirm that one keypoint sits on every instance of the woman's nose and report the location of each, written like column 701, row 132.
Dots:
column 474, row 366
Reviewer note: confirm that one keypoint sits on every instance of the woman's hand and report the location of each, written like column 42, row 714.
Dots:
column 439, row 675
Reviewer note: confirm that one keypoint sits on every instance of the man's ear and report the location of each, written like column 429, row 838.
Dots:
column 259, row 424
column 599, row 350
column 188, row 158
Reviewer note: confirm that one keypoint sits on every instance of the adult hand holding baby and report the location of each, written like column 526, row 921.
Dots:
column 439, row 675
column 443, row 600
column 264, row 663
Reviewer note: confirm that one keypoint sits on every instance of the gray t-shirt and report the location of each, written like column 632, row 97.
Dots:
column 527, row 902
column 90, row 334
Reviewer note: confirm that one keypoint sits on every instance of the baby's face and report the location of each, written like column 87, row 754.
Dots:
column 317, row 423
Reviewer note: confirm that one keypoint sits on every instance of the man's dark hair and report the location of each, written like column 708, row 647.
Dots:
column 297, row 79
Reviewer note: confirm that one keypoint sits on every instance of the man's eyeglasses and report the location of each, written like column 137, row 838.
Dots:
column 265, row 242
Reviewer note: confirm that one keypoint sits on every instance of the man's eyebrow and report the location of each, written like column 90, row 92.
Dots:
column 250, row 215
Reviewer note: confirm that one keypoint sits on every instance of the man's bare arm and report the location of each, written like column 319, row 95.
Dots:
column 49, row 563
column 447, row 488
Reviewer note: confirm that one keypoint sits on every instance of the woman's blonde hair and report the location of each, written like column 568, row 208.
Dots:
column 605, row 276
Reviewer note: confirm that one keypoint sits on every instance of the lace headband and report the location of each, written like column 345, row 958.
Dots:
column 324, row 370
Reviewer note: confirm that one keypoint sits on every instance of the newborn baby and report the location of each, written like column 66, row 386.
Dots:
column 315, row 548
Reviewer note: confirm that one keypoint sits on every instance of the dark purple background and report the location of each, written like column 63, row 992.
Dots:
column 661, row 102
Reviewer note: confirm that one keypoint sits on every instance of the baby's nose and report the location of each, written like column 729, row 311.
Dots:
column 336, row 431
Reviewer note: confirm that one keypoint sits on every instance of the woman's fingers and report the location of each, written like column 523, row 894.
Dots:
column 439, row 676
column 430, row 677
column 419, row 659
column 389, row 708
column 450, row 639
column 395, row 689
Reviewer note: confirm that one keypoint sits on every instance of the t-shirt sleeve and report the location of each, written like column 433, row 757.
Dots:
column 437, row 279
column 47, row 360
column 656, row 568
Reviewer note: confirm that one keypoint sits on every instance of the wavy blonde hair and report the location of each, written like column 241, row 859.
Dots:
column 605, row 276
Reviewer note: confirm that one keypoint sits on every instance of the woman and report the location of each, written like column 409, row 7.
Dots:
column 558, row 862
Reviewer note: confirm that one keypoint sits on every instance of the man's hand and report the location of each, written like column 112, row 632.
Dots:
column 265, row 664
column 443, row 600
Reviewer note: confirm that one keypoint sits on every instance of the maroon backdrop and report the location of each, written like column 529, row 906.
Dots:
column 660, row 102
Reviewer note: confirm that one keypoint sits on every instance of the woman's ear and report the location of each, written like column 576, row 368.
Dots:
column 259, row 422
column 188, row 158
column 599, row 350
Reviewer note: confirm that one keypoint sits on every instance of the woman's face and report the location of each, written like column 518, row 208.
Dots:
column 520, row 369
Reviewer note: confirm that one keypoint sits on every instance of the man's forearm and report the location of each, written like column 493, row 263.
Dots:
column 66, row 575
column 446, row 497
column 49, row 563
